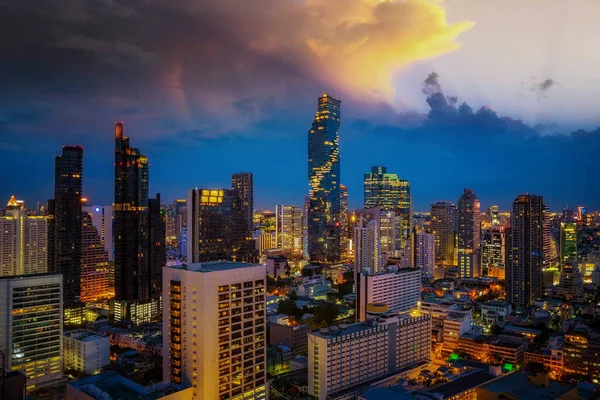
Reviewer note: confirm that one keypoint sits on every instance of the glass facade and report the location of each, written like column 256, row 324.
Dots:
column 324, row 179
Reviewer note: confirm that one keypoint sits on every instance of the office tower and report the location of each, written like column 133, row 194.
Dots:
column 305, row 255
column 66, row 238
column 180, row 210
column 97, row 273
column 568, row 241
column 388, row 231
column 31, row 321
column 102, row 220
column 571, row 282
column 289, row 230
column 425, row 253
column 493, row 247
column 217, row 227
column 399, row 290
column 23, row 243
column 344, row 222
column 243, row 182
column 493, row 215
column 214, row 329
column 443, row 225
column 344, row 359
column 469, row 228
column 139, row 231
column 324, row 180
column 169, row 213
column 367, row 248
column 391, row 194
column 526, row 255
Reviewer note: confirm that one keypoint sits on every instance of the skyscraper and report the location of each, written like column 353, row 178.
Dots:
column 493, row 215
column 443, row 225
column 243, row 182
column 425, row 253
column 526, row 254
column 469, row 235
column 217, row 227
column 66, row 238
column 139, row 227
column 211, row 346
column 289, row 230
column 367, row 248
column 568, row 241
column 324, row 181
column 391, row 193
column 102, row 219
column 344, row 242
column 97, row 273
column 493, row 247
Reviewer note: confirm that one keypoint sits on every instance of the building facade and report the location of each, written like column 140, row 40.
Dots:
column 344, row 223
column 214, row 323
column 526, row 253
column 102, row 220
column 443, row 226
column 493, row 248
column 425, row 253
column 31, row 321
column 85, row 352
column 243, row 183
column 568, row 241
column 324, row 208
column 97, row 272
column 289, row 230
column 468, row 234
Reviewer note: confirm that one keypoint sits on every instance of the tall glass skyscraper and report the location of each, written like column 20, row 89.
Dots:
column 243, row 182
column 324, row 179
column 469, row 234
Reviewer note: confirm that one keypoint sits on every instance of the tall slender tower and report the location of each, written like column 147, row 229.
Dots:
column 526, row 254
column 344, row 240
column 243, row 182
column 469, row 235
column 367, row 253
column 67, row 224
column 443, row 225
column 324, row 179
column 138, row 227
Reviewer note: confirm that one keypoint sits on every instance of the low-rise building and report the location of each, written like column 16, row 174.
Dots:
column 494, row 312
column 293, row 336
column 85, row 351
column 455, row 325
column 315, row 287
column 522, row 386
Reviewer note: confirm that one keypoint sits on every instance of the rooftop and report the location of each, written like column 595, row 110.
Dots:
column 84, row 336
column 214, row 266
column 386, row 393
column 519, row 386
column 465, row 382
column 110, row 385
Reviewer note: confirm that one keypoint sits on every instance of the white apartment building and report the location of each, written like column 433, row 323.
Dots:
column 399, row 290
column 344, row 357
column 494, row 312
column 288, row 225
column 23, row 244
column 214, row 329
column 31, row 320
column 455, row 325
column 425, row 253
column 85, row 351
column 439, row 308
column 316, row 287
column 367, row 247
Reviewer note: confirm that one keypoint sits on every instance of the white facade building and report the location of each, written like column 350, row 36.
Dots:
column 315, row 287
column 102, row 219
column 494, row 312
column 31, row 314
column 399, row 290
column 85, row 351
column 425, row 253
column 367, row 247
column 344, row 357
column 214, row 329
column 23, row 244
column 455, row 325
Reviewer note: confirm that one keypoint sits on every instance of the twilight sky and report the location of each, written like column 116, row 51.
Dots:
column 498, row 96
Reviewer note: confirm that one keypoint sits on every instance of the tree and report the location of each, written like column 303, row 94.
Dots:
column 294, row 295
column 496, row 329
column 324, row 314
column 289, row 307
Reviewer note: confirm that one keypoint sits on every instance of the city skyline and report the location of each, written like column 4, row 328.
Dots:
column 93, row 80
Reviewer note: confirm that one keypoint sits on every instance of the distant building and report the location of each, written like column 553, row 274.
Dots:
column 443, row 226
column 526, row 255
column 97, row 272
column 102, row 220
column 571, row 282
column 293, row 336
column 523, row 386
column 493, row 215
column 367, row 247
column 25, row 301
column 85, row 352
column 568, row 241
column 455, row 325
column 425, row 253
column 582, row 346
column 316, row 287
column 493, row 248
column 344, row 224
column 243, row 183
column 278, row 267
column 469, row 228
column 342, row 359
column 214, row 327
column 494, row 312
column 399, row 290
column 289, row 229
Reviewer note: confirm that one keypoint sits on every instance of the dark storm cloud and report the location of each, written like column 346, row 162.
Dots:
column 540, row 88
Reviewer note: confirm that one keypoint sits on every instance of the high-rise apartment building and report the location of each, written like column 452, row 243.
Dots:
column 425, row 253
column 398, row 290
column 493, row 247
column 526, row 253
column 66, row 236
column 138, row 226
column 367, row 248
column 468, row 234
column 97, row 273
column 443, row 226
column 493, row 215
column 289, row 230
column 388, row 234
column 324, row 180
column 217, row 227
column 568, row 241
column 343, row 359
column 391, row 194
column 102, row 220
column 23, row 243
column 31, row 327
column 243, row 182
column 214, row 323
column 344, row 212
column 571, row 282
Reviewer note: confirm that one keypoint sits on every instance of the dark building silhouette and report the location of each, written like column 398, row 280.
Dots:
column 469, row 235
column 64, row 241
column 526, row 253
column 323, row 217
column 243, row 182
